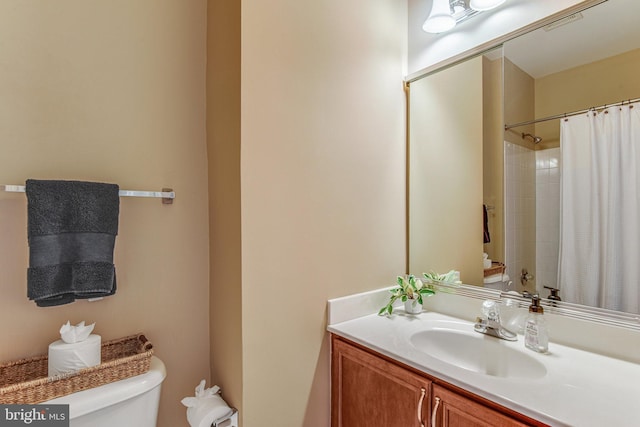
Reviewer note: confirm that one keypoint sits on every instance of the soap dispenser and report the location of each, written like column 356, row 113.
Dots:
column 535, row 328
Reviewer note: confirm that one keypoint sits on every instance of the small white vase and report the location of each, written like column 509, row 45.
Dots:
column 412, row 306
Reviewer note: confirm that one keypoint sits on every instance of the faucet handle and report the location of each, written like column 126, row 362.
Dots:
column 554, row 293
column 491, row 310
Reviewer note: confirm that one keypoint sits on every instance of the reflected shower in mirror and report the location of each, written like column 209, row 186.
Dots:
column 572, row 217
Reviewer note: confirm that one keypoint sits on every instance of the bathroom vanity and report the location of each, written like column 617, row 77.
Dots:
column 433, row 370
column 369, row 389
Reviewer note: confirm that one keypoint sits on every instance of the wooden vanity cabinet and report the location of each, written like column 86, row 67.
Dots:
column 368, row 391
column 453, row 410
column 372, row 390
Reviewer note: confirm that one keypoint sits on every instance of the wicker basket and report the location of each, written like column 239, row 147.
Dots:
column 496, row 268
column 25, row 381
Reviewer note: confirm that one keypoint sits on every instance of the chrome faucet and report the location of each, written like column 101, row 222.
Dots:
column 490, row 323
column 526, row 277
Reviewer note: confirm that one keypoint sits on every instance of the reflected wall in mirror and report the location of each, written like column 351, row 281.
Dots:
column 581, row 62
column 451, row 114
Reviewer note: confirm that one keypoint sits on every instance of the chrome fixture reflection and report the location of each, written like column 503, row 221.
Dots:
column 445, row 14
column 482, row 5
column 535, row 139
column 526, row 277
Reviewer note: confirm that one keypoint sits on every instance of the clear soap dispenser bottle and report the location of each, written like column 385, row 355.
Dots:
column 535, row 328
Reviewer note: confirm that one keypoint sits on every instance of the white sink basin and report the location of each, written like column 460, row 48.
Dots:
column 478, row 353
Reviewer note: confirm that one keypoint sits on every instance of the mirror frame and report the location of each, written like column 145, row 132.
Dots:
column 562, row 308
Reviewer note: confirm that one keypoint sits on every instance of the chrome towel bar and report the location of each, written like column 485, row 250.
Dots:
column 167, row 194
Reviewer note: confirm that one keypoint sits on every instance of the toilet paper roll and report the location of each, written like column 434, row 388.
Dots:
column 487, row 263
column 65, row 358
column 207, row 411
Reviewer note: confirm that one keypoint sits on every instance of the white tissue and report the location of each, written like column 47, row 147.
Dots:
column 486, row 263
column 206, row 407
column 72, row 334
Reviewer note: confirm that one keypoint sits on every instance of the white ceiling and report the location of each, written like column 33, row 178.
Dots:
column 605, row 30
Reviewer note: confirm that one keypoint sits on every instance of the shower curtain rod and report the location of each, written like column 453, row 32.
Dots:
column 575, row 113
column 167, row 194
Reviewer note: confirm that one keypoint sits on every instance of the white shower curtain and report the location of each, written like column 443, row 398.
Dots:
column 599, row 262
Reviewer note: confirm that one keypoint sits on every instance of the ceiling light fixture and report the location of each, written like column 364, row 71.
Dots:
column 440, row 19
column 483, row 5
column 445, row 14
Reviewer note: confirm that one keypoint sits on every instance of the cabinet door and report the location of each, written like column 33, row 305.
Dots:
column 368, row 391
column 453, row 410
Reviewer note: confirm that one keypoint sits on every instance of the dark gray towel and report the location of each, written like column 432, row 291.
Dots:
column 72, row 227
column 486, row 237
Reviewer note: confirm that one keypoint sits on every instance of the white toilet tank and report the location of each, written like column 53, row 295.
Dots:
column 500, row 281
column 132, row 402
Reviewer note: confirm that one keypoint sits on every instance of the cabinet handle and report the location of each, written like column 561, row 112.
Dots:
column 424, row 392
column 435, row 412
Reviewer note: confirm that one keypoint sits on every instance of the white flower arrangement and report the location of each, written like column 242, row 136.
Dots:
column 409, row 288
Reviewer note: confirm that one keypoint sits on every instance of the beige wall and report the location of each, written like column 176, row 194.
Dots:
column 223, row 139
column 493, row 155
column 322, row 178
column 519, row 103
column 112, row 91
column 607, row 81
column 445, row 187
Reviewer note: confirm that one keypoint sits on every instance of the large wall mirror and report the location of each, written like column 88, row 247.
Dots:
column 502, row 163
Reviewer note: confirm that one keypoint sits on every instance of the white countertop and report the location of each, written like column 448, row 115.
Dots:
column 579, row 389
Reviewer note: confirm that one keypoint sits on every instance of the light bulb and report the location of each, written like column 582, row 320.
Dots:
column 482, row 5
column 440, row 19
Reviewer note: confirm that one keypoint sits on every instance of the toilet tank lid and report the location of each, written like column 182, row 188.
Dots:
column 500, row 277
column 93, row 399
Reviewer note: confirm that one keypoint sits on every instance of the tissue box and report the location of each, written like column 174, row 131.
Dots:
column 25, row 381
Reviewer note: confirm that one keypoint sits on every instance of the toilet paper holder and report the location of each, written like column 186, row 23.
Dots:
column 208, row 404
column 230, row 420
